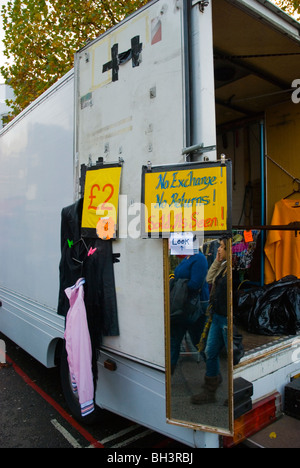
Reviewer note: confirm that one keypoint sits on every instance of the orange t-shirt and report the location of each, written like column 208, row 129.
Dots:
column 282, row 248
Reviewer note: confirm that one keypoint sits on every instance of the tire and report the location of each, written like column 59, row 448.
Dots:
column 71, row 399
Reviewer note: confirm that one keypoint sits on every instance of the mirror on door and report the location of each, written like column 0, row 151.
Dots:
column 199, row 354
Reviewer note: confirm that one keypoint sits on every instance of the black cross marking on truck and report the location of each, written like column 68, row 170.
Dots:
column 118, row 59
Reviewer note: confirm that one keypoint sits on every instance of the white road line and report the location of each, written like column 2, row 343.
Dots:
column 133, row 439
column 66, row 434
column 119, row 434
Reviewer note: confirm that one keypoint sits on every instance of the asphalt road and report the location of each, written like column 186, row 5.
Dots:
column 33, row 413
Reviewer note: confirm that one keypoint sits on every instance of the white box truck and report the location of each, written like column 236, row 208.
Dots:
column 146, row 114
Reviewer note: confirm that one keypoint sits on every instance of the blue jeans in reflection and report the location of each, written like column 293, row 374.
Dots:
column 178, row 331
column 216, row 340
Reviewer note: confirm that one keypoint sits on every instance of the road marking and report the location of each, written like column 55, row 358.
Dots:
column 119, row 434
column 66, row 434
column 94, row 443
column 132, row 439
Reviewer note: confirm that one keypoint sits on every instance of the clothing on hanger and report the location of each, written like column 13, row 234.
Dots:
column 79, row 349
column 282, row 248
column 80, row 259
column 92, row 259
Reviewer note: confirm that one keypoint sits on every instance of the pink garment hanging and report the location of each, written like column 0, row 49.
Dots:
column 78, row 347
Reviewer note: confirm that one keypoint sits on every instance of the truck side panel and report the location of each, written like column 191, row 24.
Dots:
column 36, row 182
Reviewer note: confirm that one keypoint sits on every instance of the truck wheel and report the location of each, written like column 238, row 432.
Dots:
column 71, row 399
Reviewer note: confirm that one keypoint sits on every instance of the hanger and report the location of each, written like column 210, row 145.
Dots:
column 71, row 244
column 81, row 240
column 295, row 191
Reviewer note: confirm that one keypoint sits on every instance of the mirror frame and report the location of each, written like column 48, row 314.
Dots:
column 199, row 426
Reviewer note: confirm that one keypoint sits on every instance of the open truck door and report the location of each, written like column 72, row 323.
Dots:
column 135, row 109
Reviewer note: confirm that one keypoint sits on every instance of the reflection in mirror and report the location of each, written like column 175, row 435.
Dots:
column 199, row 337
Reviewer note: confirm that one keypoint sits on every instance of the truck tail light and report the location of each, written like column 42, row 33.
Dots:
column 263, row 413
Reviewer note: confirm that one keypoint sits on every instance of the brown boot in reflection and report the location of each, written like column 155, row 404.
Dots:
column 206, row 382
column 208, row 394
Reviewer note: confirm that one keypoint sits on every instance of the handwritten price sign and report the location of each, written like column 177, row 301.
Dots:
column 187, row 198
column 100, row 203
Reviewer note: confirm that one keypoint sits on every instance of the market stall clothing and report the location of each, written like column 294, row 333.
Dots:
column 93, row 260
column 282, row 248
column 79, row 349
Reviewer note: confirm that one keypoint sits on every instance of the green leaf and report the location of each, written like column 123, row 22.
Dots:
column 42, row 36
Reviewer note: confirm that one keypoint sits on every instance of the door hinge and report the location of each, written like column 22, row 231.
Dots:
column 202, row 4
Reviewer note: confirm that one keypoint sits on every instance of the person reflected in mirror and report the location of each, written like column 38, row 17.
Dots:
column 217, row 335
column 194, row 269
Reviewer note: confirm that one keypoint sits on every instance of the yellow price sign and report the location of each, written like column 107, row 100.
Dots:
column 187, row 198
column 100, row 202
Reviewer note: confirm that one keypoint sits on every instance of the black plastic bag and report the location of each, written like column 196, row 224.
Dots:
column 238, row 347
column 244, row 302
column 271, row 310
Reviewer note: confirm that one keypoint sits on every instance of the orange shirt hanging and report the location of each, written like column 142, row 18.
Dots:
column 282, row 248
